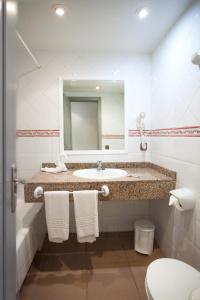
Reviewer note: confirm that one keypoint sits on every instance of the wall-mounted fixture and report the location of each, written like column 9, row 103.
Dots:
column 141, row 126
column 196, row 58
column 143, row 146
column 39, row 191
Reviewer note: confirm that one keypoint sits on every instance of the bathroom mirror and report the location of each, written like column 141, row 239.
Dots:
column 92, row 115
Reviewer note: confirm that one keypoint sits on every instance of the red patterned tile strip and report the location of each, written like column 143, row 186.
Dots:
column 186, row 131
column 135, row 133
column 38, row 133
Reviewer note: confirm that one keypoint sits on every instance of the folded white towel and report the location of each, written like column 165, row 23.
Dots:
column 86, row 215
column 60, row 167
column 54, row 170
column 57, row 215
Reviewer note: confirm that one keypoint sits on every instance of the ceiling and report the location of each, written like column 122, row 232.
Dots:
column 98, row 24
column 105, row 86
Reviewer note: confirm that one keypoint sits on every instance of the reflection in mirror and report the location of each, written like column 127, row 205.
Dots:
column 93, row 115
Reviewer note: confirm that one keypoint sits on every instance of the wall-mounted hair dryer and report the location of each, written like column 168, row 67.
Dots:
column 141, row 127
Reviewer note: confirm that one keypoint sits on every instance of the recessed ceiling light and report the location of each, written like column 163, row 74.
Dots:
column 11, row 7
column 143, row 13
column 97, row 87
column 59, row 10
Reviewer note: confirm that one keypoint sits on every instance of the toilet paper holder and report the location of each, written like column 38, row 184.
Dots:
column 182, row 199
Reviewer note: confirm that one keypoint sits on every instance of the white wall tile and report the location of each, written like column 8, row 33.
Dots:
column 175, row 102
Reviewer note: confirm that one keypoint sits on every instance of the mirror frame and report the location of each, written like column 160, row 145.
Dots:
column 89, row 152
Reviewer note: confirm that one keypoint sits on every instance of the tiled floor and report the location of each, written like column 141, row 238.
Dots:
column 107, row 269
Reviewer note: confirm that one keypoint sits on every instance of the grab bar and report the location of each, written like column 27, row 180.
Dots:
column 39, row 191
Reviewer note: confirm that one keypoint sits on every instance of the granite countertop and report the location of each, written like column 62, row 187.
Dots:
column 149, row 181
column 139, row 174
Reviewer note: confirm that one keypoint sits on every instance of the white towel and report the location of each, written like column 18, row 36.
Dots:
column 54, row 170
column 60, row 167
column 86, row 215
column 57, row 215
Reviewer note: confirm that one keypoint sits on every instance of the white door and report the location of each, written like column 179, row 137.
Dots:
column 7, row 148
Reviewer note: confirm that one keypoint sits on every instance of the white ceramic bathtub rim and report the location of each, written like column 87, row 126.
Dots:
column 30, row 234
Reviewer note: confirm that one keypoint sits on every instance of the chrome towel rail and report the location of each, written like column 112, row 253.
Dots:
column 39, row 191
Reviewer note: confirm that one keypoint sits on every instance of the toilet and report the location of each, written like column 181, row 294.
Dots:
column 171, row 279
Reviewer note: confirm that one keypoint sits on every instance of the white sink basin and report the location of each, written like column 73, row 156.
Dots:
column 100, row 174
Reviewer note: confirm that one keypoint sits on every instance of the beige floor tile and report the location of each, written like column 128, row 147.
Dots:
column 107, row 269
column 107, row 241
column 75, row 261
column 70, row 246
column 139, row 274
column 108, row 259
column 63, row 285
column 46, row 263
column 30, row 288
column 126, row 240
column 137, row 259
column 116, row 284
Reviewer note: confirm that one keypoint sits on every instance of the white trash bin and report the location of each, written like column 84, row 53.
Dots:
column 144, row 236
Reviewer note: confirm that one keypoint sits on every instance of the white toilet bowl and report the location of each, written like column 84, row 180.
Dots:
column 171, row 279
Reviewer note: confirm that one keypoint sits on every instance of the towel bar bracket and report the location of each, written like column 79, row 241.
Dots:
column 104, row 191
column 39, row 191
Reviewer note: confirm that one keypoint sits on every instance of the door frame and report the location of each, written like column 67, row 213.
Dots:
column 99, row 128
column 1, row 153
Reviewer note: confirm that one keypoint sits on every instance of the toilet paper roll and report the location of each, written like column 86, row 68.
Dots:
column 173, row 201
column 182, row 199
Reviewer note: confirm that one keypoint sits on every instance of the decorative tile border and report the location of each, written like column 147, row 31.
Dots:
column 190, row 131
column 132, row 133
column 56, row 133
column 38, row 133
column 187, row 131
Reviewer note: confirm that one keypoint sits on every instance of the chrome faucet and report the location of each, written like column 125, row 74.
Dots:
column 100, row 165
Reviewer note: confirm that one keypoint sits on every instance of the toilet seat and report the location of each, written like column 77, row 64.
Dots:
column 171, row 279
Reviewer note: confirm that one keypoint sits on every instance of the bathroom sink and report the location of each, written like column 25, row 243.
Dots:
column 100, row 174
